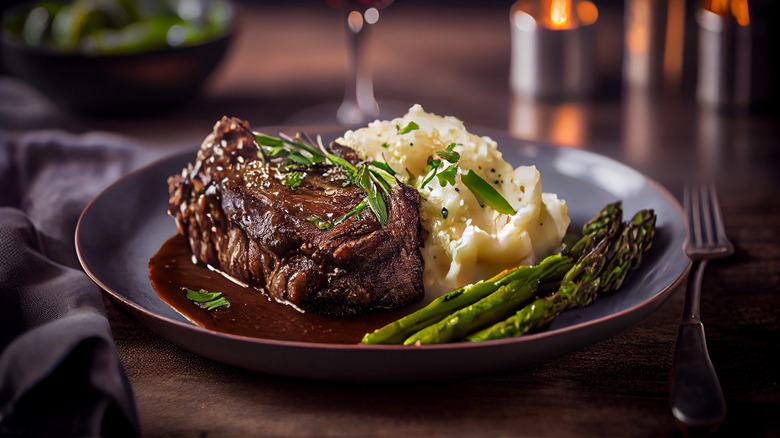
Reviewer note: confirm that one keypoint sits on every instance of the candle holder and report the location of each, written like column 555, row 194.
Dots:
column 725, row 66
column 643, row 44
column 553, row 48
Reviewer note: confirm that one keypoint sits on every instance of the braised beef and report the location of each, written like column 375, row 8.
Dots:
column 240, row 216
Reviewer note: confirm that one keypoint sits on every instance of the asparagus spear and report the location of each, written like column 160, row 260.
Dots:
column 397, row 331
column 600, row 270
column 635, row 241
column 601, row 232
column 578, row 288
column 506, row 299
column 596, row 228
column 495, row 307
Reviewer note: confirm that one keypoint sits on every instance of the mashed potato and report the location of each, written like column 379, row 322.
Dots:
column 463, row 241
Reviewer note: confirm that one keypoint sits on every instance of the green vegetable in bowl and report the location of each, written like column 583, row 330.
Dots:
column 118, row 26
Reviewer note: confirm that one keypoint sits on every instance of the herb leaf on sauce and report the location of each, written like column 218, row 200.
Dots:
column 205, row 299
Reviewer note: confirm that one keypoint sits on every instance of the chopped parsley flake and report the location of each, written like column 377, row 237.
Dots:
column 294, row 179
column 408, row 128
column 447, row 176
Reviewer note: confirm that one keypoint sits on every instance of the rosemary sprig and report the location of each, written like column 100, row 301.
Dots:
column 376, row 202
column 374, row 177
column 485, row 193
column 291, row 150
column 323, row 224
column 319, row 222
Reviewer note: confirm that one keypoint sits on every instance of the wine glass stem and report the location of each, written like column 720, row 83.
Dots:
column 359, row 105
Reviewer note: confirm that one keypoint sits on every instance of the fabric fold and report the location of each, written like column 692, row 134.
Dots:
column 60, row 374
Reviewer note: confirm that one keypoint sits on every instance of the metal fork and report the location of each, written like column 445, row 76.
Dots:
column 696, row 397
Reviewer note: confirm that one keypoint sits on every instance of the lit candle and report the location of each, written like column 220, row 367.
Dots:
column 645, row 24
column 726, row 64
column 553, row 48
column 557, row 14
column 736, row 8
column 562, row 14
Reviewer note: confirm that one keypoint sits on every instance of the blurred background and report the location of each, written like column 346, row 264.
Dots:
column 668, row 87
column 284, row 57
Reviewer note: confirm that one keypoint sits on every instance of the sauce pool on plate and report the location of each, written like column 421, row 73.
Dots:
column 251, row 312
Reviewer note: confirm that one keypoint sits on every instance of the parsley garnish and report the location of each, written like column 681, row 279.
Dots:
column 407, row 129
column 481, row 189
column 448, row 174
column 430, row 170
column 206, row 300
column 449, row 154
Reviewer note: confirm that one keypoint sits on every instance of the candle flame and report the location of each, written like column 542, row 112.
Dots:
column 557, row 13
column 737, row 8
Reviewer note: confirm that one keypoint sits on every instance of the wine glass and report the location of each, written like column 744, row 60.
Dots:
column 359, row 105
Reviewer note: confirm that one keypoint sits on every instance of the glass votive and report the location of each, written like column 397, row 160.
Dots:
column 644, row 43
column 725, row 59
column 553, row 49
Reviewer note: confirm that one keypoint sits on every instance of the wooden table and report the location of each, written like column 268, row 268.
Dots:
column 455, row 60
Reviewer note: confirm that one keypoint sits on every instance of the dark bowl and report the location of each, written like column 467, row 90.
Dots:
column 109, row 84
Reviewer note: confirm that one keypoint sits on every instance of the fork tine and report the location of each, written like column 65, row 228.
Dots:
column 720, row 229
column 706, row 232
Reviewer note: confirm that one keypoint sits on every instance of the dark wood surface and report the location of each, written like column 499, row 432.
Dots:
column 456, row 61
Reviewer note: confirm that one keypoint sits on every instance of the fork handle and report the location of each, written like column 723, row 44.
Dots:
column 691, row 308
column 696, row 396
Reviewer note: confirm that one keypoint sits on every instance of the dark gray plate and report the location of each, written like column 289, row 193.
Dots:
column 127, row 223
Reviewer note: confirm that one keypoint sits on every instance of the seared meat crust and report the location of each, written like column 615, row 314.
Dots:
column 240, row 217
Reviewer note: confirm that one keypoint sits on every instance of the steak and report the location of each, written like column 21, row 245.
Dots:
column 241, row 216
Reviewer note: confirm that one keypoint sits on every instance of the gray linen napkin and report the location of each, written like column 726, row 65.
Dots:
column 59, row 370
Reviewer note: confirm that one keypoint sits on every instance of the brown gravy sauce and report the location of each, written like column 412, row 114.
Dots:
column 251, row 312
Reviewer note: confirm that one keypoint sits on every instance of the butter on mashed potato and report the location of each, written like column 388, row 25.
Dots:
column 465, row 242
